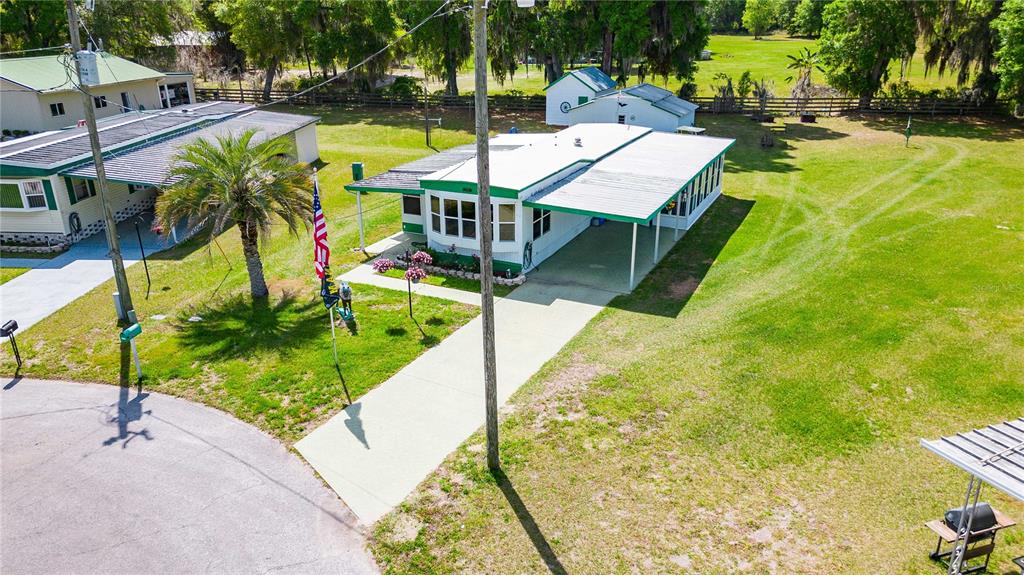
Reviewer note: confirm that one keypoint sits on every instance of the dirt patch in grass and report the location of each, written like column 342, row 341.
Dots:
column 683, row 288
column 560, row 398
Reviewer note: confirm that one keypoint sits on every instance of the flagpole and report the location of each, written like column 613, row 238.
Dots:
column 324, row 273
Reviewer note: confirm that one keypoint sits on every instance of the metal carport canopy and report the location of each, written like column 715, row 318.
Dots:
column 633, row 184
column 994, row 454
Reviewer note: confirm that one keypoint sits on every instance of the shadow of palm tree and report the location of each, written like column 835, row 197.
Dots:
column 239, row 326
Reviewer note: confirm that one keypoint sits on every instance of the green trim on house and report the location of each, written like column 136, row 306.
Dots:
column 51, row 202
column 568, row 74
column 358, row 188
column 71, row 190
column 593, row 214
column 467, row 188
column 412, row 228
column 9, row 171
column 500, row 266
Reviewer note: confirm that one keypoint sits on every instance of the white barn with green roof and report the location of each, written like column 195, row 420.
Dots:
column 38, row 94
column 548, row 188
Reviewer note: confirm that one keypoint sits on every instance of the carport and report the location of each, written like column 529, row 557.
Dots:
column 994, row 455
column 660, row 174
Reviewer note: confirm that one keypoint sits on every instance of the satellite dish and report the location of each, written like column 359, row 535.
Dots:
column 565, row 107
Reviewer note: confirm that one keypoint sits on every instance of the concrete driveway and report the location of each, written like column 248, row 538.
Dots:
column 101, row 479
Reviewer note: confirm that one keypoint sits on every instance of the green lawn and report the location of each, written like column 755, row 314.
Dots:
column 270, row 365
column 731, row 54
column 450, row 282
column 7, row 274
column 756, row 404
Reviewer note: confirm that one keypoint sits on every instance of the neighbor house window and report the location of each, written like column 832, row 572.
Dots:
column 580, row 100
column 506, row 222
column 458, row 217
column 541, row 222
column 411, row 205
column 99, row 101
column 622, row 119
column 57, row 109
column 126, row 102
column 26, row 194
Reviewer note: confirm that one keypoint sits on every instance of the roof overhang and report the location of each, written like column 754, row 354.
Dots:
column 994, row 454
column 637, row 182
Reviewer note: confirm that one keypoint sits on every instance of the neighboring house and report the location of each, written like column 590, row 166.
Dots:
column 575, row 88
column 588, row 95
column 547, row 188
column 47, row 181
column 38, row 94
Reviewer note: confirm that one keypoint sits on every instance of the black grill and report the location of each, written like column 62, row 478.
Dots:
column 984, row 518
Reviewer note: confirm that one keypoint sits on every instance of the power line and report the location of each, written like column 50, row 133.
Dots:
column 61, row 47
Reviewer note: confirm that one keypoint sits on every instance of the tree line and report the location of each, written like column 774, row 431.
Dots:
column 979, row 42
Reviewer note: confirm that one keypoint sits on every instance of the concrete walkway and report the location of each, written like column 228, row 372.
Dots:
column 104, row 479
column 375, row 452
column 364, row 274
column 54, row 283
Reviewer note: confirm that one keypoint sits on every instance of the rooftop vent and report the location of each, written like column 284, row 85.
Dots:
column 578, row 142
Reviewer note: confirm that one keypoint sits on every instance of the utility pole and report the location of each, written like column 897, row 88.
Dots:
column 486, row 232
column 101, row 175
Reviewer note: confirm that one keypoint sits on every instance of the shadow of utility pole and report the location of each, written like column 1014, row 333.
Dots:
column 529, row 525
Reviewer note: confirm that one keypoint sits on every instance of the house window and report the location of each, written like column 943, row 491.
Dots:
column 458, row 217
column 506, row 222
column 580, row 100
column 411, row 205
column 172, row 95
column 435, row 214
column 34, row 195
column 83, row 190
column 126, row 102
column 57, row 109
column 541, row 222
column 622, row 119
column 99, row 101
column 132, row 188
column 22, row 195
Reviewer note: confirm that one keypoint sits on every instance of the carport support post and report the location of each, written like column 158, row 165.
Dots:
column 679, row 214
column 657, row 235
column 632, row 259
column 357, row 174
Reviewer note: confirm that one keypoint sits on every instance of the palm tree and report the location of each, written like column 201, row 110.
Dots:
column 237, row 181
column 804, row 62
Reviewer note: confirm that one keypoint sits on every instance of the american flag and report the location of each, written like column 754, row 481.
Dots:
column 321, row 251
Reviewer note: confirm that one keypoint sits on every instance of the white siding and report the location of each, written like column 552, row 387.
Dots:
column 637, row 112
column 568, row 89
column 564, row 227
column 306, row 149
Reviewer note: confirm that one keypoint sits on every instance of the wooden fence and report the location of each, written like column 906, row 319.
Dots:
column 714, row 105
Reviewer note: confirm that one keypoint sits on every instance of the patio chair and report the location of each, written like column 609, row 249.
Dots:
column 980, row 544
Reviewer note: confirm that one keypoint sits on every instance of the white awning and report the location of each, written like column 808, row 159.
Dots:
column 994, row 454
column 636, row 182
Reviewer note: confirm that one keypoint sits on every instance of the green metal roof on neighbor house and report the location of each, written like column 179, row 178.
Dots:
column 658, row 97
column 591, row 77
column 54, row 73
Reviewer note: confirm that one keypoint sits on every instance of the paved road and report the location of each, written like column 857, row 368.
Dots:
column 101, row 479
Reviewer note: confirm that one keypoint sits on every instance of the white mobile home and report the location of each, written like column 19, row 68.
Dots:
column 548, row 188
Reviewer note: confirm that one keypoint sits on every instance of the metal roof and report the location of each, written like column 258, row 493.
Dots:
column 407, row 176
column 994, row 454
column 591, row 77
column 635, row 182
column 662, row 98
column 150, row 163
column 62, row 146
column 544, row 157
column 53, row 73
